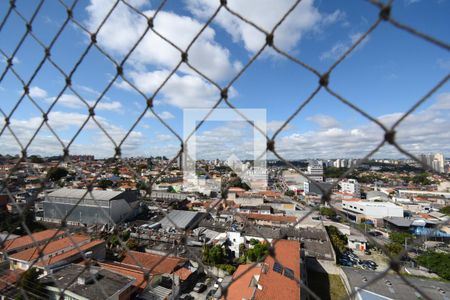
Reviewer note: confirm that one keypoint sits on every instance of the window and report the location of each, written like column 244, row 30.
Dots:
column 278, row 268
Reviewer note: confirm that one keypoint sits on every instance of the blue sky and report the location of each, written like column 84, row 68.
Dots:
column 384, row 76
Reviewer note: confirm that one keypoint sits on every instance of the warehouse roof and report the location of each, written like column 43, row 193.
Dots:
column 182, row 219
column 79, row 193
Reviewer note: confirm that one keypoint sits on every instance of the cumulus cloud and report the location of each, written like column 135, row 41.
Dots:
column 72, row 101
column 165, row 115
column 324, row 121
column 273, row 126
column 266, row 14
column 421, row 132
column 63, row 122
column 124, row 27
column 37, row 93
column 183, row 91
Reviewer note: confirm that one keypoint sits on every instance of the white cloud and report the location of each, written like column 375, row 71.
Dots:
column 266, row 14
column 323, row 121
column 72, row 101
column 37, row 93
column 186, row 91
column 124, row 27
column 340, row 47
column 273, row 126
column 165, row 115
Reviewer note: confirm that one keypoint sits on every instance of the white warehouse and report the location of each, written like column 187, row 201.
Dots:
column 375, row 210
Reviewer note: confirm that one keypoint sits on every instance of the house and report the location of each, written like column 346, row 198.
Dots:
column 58, row 253
column 357, row 242
column 28, row 241
column 271, row 279
column 88, row 283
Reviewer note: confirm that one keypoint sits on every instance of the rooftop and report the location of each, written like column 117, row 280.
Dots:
column 79, row 193
column 182, row 219
column 54, row 246
column 157, row 264
column 107, row 283
column 271, row 279
column 23, row 241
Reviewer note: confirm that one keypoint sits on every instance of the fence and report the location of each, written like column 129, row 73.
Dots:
column 323, row 78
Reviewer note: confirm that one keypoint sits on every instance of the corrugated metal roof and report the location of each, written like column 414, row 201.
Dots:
column 78, row 193
column 182, row 218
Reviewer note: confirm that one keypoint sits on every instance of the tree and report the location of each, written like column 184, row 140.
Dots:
column 400, row 237
column 105, row 183
column 214, row 255
column 289, row 193
column 394, row 248
column 258, row 252
column 328, row 212
column 36, row 159
column 55, row 174
column 30, row 287
column 445, row 210
column 436, row 262
column 132, row 244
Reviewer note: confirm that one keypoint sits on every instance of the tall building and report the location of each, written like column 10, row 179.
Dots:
column 315, row 170
column 435, row 161
column 351, row 186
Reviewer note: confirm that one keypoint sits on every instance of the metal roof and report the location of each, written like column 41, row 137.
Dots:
column 79, row 193
column 182, row 219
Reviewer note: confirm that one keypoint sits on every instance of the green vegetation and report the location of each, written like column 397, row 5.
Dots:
column 338, row 239
column 436, row 262
column 258, row 251
column 36, row 159
column 445, row 210
column 328, row 212
column 334, row 172
column 55, row 174
column 326, row 286
column 29, row 286
column 289, row 193
column 397, row 242
column 213, row 255
column 105, row 183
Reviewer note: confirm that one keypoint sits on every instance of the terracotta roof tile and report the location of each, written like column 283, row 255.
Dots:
column 33, row 253
column 153, row 262
column 27, row 240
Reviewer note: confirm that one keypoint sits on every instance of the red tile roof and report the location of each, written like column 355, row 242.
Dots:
column 156, row 263
column 183, row 273
column 71, row 253
column 262, row 282
column 33, row 253
column 272, row 218
column 27, row 240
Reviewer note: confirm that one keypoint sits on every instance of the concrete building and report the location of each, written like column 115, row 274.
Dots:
column 315, row 170
column 372, row 210
column 94, row 283
column 350, row 186
column 97, row 207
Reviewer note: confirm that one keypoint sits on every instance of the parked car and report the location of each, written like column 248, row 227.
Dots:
column 217, row 283
column 199, row 287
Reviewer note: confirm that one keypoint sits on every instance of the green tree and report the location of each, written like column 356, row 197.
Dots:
column 400, row 237
column 328, row 212
column 55, row 174
column 289, row 193
column 132, row 244
column 214, row 255
column 105, row 183
column 394, row 248
column 436, row 262
column 445, row 210
column 258, row 252
column 30, row 287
